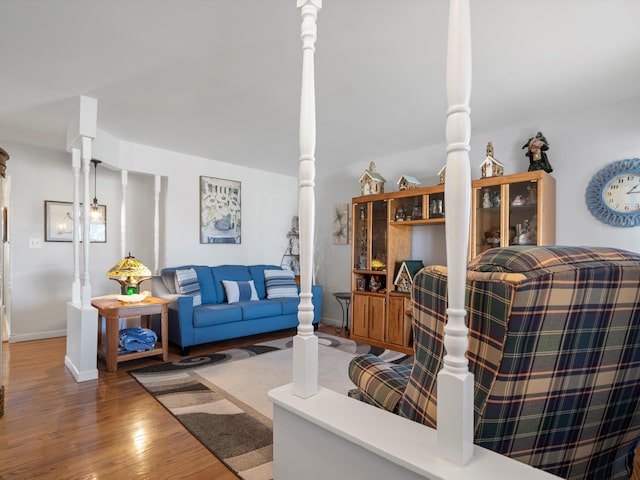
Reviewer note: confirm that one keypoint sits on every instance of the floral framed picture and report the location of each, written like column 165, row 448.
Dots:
column 220, row 210
column 58, row 223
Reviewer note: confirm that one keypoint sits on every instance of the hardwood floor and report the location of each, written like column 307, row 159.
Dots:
column 110, row 428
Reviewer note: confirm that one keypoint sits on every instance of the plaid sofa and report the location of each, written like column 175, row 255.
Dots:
column 554, row 347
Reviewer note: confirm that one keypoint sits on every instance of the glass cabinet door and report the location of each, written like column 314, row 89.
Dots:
column 523, row 207
column 360, row 234
column 487, row 225
column 378, row 259
column 370, row 227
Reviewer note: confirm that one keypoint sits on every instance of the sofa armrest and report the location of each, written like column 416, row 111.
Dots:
column 158, row 288
column 316, row 291
column 379, row 383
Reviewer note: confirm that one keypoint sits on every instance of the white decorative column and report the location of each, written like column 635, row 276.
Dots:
column 124, row 180
column 157, row 188
column 86, row 218
column 455, row 382
column 82, row 318
column 305, row 343
column 76, row 286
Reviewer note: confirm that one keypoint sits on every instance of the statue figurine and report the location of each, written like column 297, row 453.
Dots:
column 536, row 148
column 486, row 200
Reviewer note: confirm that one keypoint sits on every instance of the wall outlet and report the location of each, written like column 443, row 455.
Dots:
column 35, row 243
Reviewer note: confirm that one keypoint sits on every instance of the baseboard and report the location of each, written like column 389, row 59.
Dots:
column 15, row 338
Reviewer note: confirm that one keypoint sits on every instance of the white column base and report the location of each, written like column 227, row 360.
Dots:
column 305, row 365
column 76, row 292
column 82, row 342
column 455, row 417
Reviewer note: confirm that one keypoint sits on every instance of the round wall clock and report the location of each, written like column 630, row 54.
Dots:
column 613, row 194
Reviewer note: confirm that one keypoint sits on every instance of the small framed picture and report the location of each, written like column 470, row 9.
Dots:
column 340, row 228
column 58, row 223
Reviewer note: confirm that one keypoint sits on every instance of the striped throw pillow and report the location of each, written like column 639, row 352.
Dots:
column 187, row 284
column 240, row 291
column 280, row 284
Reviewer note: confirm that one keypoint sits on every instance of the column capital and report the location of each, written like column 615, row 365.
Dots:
column 315, row 3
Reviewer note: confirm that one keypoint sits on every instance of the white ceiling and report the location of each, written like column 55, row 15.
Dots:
column 221, row 78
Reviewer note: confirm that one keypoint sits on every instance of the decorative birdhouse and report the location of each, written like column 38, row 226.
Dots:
column 404, row 278
column 371, row 182
column 491, row 167
column 407, row 182
column 441, row 174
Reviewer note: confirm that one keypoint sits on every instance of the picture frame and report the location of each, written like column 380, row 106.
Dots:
column 58, row 223
column 340, row 228
column 220, row 210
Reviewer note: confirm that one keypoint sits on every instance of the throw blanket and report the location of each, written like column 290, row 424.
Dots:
column 137, row 340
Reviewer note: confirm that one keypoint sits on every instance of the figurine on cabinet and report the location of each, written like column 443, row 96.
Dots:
column 486, row 199
column 495, row 200
column 491, row 167
column 407, row 182
column 536, row 148
column 371, row 182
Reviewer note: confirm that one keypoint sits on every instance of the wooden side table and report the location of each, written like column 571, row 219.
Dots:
column 112, row 310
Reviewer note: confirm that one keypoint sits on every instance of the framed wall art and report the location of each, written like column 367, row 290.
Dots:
column 340, row 228
column 58, row 223
column 220, row 212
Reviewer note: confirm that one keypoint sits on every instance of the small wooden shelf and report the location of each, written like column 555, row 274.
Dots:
column 112, row 310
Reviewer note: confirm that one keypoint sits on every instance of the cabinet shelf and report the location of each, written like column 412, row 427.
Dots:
column 410, row 223
column 370, row 272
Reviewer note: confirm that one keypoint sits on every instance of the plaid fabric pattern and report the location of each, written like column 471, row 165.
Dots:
column 488, row 305
column 555, row 353
column 381, row 384
column 546, row 259
column 566, row 396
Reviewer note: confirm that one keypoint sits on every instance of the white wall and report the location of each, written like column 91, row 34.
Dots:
column 268, row 203
column 41, row 277
column 580, row 145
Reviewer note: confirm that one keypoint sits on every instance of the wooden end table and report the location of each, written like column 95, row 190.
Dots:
column 112, row 310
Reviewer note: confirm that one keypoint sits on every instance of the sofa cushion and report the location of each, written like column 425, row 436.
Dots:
column 239, row 291
column 257, row 273
column 208, row 315
column 289, row 305
column 187, row 284
column 266, row 309
column 280, row 283
column 228, row 272
column 207, row 287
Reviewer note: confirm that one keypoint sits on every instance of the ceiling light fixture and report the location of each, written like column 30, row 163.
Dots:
column 95, row 208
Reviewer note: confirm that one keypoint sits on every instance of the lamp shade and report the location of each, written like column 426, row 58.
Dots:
column 129, row 273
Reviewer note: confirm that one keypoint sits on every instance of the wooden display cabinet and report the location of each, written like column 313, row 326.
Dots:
column 514, row 209
column 382, row 231
column 399, row 319
column 368, row 318
column 522, row 204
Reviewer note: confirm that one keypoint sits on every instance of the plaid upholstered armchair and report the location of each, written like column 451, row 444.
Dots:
column 554, row 346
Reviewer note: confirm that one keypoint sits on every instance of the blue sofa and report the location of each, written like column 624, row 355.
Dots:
column 216, row 319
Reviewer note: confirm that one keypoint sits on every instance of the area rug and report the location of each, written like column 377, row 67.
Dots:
column 221, row 398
